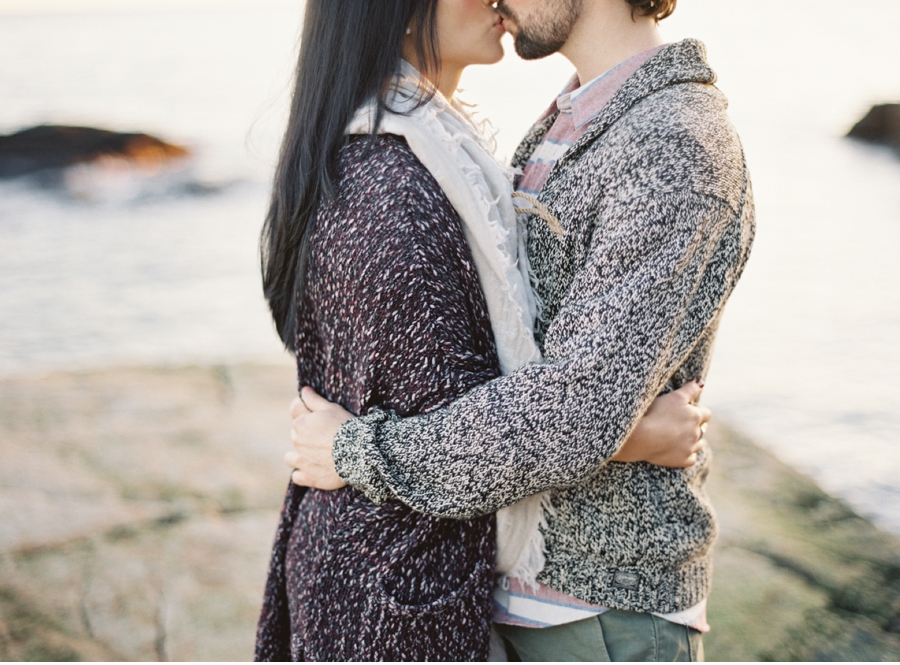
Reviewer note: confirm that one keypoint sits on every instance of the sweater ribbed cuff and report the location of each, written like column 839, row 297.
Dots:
column 356, row 457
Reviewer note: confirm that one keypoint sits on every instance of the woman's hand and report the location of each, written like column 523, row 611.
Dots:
column 316, row 421
column 670, row 433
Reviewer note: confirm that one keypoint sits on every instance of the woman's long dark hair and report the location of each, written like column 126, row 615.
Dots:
column 349, row 51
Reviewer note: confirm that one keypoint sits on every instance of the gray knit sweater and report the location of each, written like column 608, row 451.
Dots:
column 658, row 216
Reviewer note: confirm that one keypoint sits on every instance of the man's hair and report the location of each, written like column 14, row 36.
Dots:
column 658, row 9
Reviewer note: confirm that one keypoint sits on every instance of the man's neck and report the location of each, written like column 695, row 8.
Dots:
column 606, row 35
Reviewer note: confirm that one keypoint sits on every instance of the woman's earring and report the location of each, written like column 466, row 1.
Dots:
column 409, row 31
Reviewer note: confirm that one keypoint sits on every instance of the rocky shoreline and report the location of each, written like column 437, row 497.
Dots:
column 881, row 125
column 44, row 148
column 137, row 507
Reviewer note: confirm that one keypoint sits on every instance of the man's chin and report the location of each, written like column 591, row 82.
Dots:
column 530, row 50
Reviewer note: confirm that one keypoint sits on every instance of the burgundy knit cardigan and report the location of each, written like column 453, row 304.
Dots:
column 393, row 316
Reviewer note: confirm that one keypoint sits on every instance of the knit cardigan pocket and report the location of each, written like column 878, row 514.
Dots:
column 439, row 625
column 400, row 586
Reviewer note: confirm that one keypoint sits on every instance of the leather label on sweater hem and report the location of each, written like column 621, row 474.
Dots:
column 626, row 581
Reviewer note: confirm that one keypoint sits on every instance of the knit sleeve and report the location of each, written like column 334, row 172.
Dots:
column 652, row 284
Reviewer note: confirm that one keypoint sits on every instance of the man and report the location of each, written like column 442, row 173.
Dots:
column 646, row 221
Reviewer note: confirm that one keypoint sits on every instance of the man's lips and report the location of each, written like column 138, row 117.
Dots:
column 505, row 22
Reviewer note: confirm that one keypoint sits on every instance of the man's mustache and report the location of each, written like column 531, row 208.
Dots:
column 505, row 11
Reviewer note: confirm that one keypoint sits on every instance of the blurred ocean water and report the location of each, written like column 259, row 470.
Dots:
column 132, row 271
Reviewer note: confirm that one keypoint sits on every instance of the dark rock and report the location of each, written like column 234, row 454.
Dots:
column 53, row 147
column 880, row 125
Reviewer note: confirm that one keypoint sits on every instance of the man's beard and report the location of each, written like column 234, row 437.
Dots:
column 547, row 29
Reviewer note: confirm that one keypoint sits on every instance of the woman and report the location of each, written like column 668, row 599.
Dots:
column 392, row 268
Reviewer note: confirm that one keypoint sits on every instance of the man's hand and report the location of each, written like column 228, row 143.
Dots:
column 670, row 433
column 316, row 421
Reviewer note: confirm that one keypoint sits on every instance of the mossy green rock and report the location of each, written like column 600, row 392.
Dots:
column 798, row 575
column 137, row 511
column 138, row 506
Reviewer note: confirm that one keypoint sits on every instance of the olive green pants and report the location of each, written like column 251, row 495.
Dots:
column 613, row 636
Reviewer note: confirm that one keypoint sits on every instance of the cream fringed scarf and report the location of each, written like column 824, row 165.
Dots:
column 445, row 140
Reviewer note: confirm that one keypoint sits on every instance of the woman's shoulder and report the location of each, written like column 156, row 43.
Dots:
column 385, row 150
column 383, row 165
column 388, row 209
column 383, row 190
